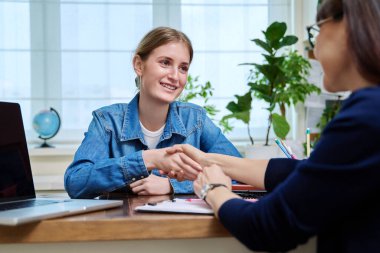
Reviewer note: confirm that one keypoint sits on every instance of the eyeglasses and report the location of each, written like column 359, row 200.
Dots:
column 313, row 30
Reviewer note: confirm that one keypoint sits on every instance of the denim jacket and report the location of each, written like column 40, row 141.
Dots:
column 110, row 156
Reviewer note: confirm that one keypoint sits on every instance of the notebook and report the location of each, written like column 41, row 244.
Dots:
column 18, row 202
column 177, row 205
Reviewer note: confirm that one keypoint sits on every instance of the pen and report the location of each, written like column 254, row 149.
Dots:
column 282, row 148
column 308, row 142
column 291, row 153
column 288, row 149
column 195, row 200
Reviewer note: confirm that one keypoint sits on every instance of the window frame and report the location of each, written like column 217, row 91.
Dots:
column 46, row 70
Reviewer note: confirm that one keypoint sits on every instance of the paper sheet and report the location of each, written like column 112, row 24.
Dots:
column 176, row 205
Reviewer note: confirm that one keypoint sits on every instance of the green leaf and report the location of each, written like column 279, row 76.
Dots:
column 275, row 32
column 211, row 110
column 244, row 102
column 261, row 91
column 271, row 107
column 273, row 60
column 269, row 71
column 225, row 124
column 242, row 109
column 263, row 45
column 288, row 40
column 280, row 126
column 243, row 116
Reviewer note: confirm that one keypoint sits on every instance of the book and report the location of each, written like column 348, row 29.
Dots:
column 244, row 187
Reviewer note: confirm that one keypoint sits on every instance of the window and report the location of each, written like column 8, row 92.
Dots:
column 75, row 55
column 221, row 32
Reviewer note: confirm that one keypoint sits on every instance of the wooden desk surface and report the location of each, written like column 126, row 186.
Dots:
column 121, row 223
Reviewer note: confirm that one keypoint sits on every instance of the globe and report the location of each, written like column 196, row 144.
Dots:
column 46, row 123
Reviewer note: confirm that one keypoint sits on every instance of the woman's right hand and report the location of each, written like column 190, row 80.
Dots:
column 195, row 154
column 175, row 164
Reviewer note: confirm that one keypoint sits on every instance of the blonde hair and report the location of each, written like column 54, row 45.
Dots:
column 161, row 36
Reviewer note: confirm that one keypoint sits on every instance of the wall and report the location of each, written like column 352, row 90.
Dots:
column 49, row 165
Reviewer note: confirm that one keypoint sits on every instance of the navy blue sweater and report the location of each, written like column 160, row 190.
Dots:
column 334, row 194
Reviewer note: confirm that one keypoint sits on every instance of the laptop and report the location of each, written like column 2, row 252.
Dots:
column 18, row 202
column 248, row 192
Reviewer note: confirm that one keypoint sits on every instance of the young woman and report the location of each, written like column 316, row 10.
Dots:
column 125, row 143
column 333, row 194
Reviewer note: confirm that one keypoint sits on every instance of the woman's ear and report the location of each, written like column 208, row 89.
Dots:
column 138, row 65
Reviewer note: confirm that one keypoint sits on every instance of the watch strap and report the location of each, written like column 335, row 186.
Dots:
column 208, row 187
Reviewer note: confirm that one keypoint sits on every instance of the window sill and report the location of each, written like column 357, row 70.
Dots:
column 48, row 182
column 58, row 150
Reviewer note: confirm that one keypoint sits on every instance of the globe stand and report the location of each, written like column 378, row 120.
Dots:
column 45, row 144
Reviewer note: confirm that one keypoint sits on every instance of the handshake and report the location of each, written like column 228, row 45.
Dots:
column 188, row 163
column 183, row 162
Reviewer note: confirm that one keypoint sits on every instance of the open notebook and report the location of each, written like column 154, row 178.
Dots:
column 177, row 205
column 18, row 202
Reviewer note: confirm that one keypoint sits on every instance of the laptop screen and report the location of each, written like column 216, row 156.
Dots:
column 16, row 180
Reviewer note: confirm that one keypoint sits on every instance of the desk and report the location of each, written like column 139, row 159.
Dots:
column 122, row 230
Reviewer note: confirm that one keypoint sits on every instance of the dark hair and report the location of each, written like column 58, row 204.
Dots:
column 161, row 36
column 363, row 32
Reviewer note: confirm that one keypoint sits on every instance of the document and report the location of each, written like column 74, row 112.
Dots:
column 196, row 206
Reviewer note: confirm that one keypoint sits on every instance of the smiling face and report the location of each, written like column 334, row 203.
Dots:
column 164, row 73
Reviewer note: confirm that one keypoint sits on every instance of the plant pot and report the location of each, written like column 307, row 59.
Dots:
column 263, row 152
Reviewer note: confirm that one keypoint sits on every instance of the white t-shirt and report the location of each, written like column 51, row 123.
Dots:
column 152, row 138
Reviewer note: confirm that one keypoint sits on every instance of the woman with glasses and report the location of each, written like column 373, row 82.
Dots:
column 334, row 194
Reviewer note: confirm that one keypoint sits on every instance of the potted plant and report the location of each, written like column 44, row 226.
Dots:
column 281, row 81
column 195, row 90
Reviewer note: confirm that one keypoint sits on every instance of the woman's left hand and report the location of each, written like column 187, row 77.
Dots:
column 211, row 175
column 152, row 185
column 218, row 196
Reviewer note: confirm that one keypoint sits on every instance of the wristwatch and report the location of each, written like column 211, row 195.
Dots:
column 208, row 187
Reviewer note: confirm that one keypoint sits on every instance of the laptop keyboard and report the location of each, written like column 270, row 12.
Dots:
column 26, row 203
column 251, row 194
